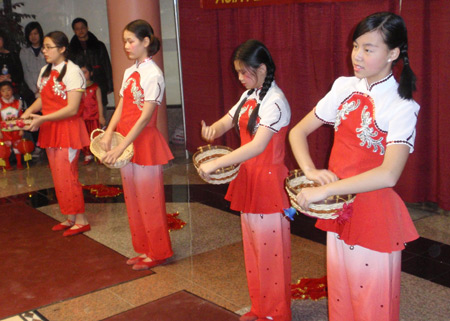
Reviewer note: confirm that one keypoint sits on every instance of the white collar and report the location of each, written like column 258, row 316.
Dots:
column 143, row 61
column 379, row 82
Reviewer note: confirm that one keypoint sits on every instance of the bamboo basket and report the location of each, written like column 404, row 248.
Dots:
column 99, row 152
column 208, row 153
column 329, row 208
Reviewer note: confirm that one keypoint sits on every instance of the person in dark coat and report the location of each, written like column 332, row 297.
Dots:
column 85, row 47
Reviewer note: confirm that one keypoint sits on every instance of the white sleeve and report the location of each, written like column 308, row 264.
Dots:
column 326, row 108
column 402, row 125
column 275, row 113
column 153, row 87
column 74, row 78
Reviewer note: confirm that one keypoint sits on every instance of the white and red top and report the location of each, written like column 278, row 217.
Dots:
column 144, row 82
column 259, row 186
column 366, row 120
column 69, row 132
column 10, row 109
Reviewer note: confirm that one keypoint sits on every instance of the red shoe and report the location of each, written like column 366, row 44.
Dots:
column 135, row 260
column 62, row 227
column 80, row 229
column 142, row 265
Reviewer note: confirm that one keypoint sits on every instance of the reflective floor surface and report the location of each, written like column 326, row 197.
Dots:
column 208, row 260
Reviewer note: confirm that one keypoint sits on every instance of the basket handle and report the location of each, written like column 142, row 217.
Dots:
column 96, row 130
column 200, row 149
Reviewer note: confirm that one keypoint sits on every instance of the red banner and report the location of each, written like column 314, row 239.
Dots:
column 225, row 4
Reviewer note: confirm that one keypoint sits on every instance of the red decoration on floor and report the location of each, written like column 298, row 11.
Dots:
column 306, row 288
column 174, row 222
column 100, row 190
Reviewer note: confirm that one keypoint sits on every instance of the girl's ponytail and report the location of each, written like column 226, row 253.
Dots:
column 47, row 71
column 264, row 89
column 407, row 82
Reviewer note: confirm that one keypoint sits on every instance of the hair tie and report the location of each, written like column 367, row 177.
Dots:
column 406, row 59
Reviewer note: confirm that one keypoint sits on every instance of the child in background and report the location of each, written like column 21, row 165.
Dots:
column 374, row 119
column 135, row 118
column 91, row 107
column 261, row 118
column 10, row 108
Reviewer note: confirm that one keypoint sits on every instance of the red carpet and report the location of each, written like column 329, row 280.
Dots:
column 180, row 306
column 39, row 267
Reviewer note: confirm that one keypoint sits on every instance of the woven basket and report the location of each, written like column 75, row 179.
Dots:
column 14, row 124
column 327, row 209
column 99, row 152
column 208, row 153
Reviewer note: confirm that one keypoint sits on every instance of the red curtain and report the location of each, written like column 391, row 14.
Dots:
column 427, row 170
column 311, row 44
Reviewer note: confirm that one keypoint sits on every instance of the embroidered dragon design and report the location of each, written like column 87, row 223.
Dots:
column 367, row 134
column 346, row 109
column 138, row 96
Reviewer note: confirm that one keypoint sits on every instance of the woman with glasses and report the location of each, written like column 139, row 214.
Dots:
column 62, row 130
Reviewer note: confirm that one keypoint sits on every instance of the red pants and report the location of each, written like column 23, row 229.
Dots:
column 363, row 285
column 64, row 166
column 143, row 188
column 267, row 250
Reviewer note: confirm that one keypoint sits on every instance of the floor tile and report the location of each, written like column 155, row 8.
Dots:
column 181, row 306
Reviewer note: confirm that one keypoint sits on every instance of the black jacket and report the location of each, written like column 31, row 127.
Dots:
column 96, row 55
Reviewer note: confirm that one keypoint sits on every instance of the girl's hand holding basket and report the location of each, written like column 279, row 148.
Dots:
column 312, row 199
column 113, row 155
column 321, row 176
column 105, row 141
column 318, row 191
column 207, row 168
column 36, row 122
column 108, row 147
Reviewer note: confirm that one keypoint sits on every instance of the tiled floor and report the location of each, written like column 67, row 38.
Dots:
column 208, row 260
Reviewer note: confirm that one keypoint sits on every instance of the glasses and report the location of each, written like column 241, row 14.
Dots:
column 48, row 47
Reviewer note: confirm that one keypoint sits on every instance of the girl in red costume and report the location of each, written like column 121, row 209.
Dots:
column 261, row 118
column 10, row 108
column 135, row 118
column 62, row 130
column 374, row 119
column 91, row 107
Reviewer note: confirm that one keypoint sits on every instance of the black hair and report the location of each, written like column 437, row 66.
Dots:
column 76, row 20
column 6, row 83
column 30, row 27
column 393, row 30
column 142, row 29
column 252, row 54
column 60, row 40
column 83, row 63
column 5, row 39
